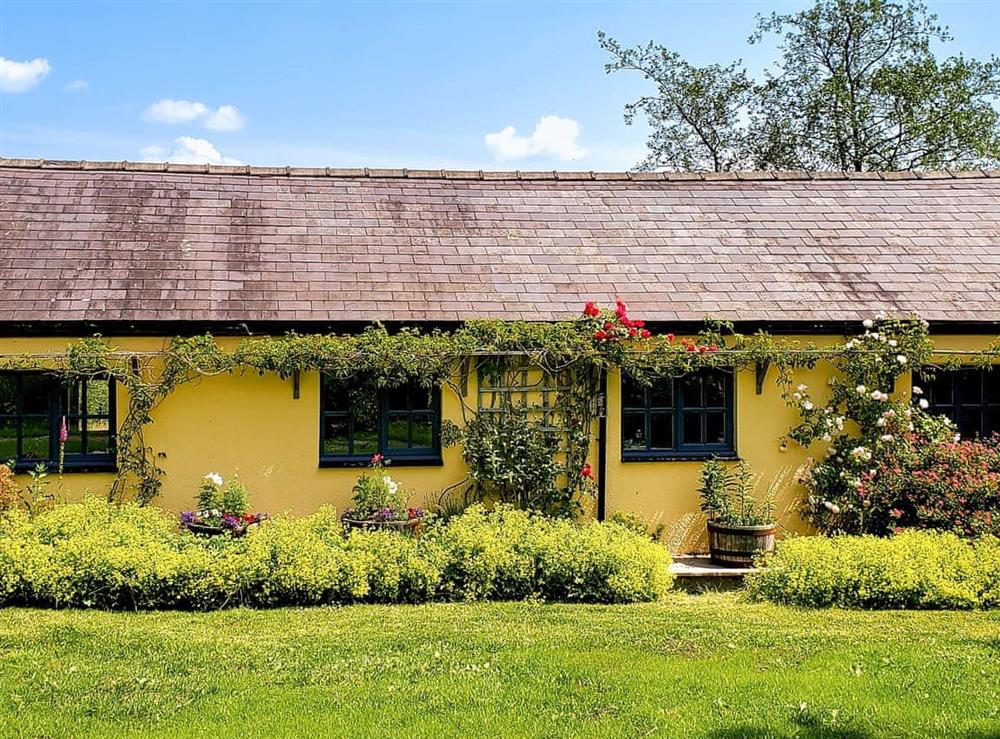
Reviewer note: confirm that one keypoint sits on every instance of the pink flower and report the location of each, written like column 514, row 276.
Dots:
column 63, row 431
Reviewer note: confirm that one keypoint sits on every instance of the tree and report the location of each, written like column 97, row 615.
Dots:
column 857, row 87
column 695, row 116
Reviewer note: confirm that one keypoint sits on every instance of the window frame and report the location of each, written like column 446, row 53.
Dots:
column 957, row 405
column 421, row 457
column 681, row 451
column 72, row 461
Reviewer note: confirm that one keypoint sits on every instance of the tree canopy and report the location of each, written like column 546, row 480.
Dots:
column 857, row 87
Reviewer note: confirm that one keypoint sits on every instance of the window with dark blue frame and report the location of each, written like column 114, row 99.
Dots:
column 686, row 417
column 403, row 424
column 969, row 396
column 33, row 406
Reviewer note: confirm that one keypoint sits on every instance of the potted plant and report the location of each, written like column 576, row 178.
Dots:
column 381, row 503
column 221, row 510
column 739, row 526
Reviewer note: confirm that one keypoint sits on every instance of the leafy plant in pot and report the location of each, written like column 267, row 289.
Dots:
column 739, row 525
column 381, row 503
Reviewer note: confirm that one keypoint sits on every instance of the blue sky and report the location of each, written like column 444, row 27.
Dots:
column 366, row 84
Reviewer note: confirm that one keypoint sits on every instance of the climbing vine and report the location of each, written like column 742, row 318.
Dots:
column 579, row 353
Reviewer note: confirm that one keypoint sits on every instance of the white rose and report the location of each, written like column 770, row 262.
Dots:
column 917, row 390
column 893, row 343
column 923, row 403
column 868, row 323
column 886, row 437
column 214, row 477
column 901, row 359
column 861, row 389
column 807, row 406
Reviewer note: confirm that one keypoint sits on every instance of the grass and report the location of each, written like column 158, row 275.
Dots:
column 695, row 665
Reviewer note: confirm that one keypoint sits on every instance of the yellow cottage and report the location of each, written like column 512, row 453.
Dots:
column 140, row 253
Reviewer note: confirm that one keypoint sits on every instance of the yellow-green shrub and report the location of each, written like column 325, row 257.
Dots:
column 914, row 569
column 95, row 554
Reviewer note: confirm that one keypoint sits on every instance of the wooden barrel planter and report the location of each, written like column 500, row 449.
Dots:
column 410, row 527
column 736, row 546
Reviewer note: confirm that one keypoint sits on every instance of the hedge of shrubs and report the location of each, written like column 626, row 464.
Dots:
column 94, row 554
column 913, row 569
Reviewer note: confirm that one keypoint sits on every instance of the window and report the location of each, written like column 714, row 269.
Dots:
column 32, row 406
column 678, row 417
column 969, row 396
column 403, row 423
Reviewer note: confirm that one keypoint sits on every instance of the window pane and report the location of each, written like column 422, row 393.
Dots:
column 74, row 440
column 715, row 389
column 98, row 398
column 35, row 436
column 365, row 433
column 970, row 422
column 940, row 389
column 691, row 391
column 421, row 398
column 992, row 382
column 335, row 435
column 71, row 401
column 8, row 439
column 336, row 394
column 972, row 385
column 634, row 431
column 422, row 431
column 398, row 432
column 8, row 394
column 715, row 430
column 35, row 393
column 661, row 394
column 693, row 428
column 397, row 398
column 633, row 394
column 661, row 430
column 992, row 422
column 98, row 434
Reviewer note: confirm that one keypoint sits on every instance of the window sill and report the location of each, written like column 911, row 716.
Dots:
column 722, row 456
column 389, row 461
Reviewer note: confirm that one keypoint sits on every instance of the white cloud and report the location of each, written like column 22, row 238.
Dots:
column 553, row 137
column 22, row 76
column 77, row 86
column 187, row 150
column 225, row 118
column 175, row 111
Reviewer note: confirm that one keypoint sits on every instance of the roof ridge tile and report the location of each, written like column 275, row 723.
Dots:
column 471, row 174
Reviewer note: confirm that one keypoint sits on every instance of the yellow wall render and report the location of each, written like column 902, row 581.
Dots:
column 251, row 425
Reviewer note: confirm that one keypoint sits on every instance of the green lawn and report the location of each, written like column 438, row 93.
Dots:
column 696, row 665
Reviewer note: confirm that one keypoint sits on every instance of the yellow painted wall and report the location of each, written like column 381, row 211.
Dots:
column 252, row 426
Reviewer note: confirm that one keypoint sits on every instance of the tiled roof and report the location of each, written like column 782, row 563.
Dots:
column 124, row 241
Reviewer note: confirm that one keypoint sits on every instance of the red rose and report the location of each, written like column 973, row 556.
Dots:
column 608, row 326
column 690, row 347
column 600, row 335
column 713, row 347
column 587, row 472
column 645, row 334
column 702, row 349
column 670, row 338
column 590, row 310
column 632, row 332
column 639, row 324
